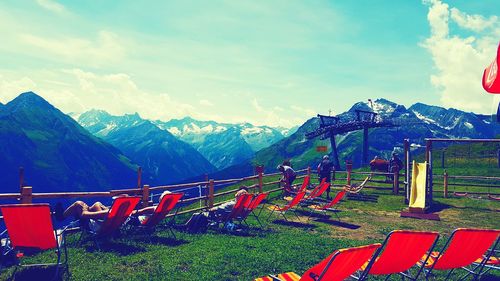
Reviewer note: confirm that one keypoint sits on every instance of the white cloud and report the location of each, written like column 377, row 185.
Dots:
column 303, row 111
column 52, row 6
column 204, row 102
column 102, row 50
column 460, row 60
column 10, row 89
column 475, row 23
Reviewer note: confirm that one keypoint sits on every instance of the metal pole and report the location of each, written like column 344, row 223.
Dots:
column 335, row 153
column 407, row 170
column 365, row 147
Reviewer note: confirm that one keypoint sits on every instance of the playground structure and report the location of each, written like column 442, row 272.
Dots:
column 330, row 126
column 427, row 168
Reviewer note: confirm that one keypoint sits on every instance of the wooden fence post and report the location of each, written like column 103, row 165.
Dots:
column 445, row 184
column 139, row 177
column 348, row 166
column 211, row 194
column 26, row 195
column 261, row 183
column 145, row 196
column 21, row 178
column 395, row 184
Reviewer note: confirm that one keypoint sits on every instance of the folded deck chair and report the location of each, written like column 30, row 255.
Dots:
column 119, row 212
column 29, row 228
column 337, row 266
column 328, row 206
column 254, row 204
column 401, row 250
column 165, row 206
column 293, row 203
column 463, row 248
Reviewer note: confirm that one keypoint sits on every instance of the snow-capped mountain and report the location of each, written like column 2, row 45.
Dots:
column 222, row 144
column 418, row 122
column 161, row 154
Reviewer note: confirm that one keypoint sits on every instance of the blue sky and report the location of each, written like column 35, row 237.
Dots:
column 264, row 62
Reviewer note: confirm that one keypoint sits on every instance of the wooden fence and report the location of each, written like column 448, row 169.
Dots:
column 263, row 183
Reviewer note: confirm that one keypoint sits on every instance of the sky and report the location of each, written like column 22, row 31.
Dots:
column 274, row 63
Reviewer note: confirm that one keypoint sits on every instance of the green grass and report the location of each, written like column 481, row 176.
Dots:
column 274, row 249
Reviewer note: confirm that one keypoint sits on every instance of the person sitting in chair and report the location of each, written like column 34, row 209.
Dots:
column 215, row 212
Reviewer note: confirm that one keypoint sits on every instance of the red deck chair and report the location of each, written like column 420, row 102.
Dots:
column 305, row 183
column 165, row 206
column 119, row 212
column 238, row 208
column 328, row 206
column 337, row 266
column 256, row 201
column 282, row 210
column 318, row 191
column 463, row 248
column 29, row 227
column 401, row 250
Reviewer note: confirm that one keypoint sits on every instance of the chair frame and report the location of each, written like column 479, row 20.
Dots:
column 476, row 270
column 157, row 216
column 330, row 206
column 290, row 206
column 108, row 230
column 364, row 275
column 60, row 244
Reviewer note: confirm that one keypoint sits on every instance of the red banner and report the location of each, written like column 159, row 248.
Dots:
column 491, row 79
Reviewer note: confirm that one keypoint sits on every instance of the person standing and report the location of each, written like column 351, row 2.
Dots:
column 325, row 169
column 288, row 177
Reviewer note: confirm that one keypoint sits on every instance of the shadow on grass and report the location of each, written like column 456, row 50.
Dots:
column 116, row 247
column 40, row 273
column 338, row 223
column 294, row 224
column 438, row 207
column 313, row 214
column 373, row 198
column 167, row 241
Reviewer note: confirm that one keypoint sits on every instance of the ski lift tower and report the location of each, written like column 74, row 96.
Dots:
column 330, row 126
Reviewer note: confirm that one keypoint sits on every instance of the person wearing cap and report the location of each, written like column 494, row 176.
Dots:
column 325, row 168
column 395, row 164
column 288, row 177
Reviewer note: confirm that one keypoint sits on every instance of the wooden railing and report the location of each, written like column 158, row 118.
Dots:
column 214, row 192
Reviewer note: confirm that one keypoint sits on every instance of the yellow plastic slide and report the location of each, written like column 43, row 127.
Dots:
column 418, row 183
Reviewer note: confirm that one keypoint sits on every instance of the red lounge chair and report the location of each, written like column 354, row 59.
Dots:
column 282, row 210
column 165, row 206
column 238, row 208
column 401, row 250
column 29, row 227
column 256, row 201
column 337, row 266
column 330, row 205
column 305, row 183
column 318, row 191
column 463, row 248
column 119, row 212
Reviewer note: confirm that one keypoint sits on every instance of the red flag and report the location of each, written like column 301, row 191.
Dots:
column 491, row 78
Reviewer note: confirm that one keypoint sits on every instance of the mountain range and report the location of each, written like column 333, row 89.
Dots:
column 56, row 153
column 102, row 151
column 417, row 122
column 165, row 158
column 223, row 144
